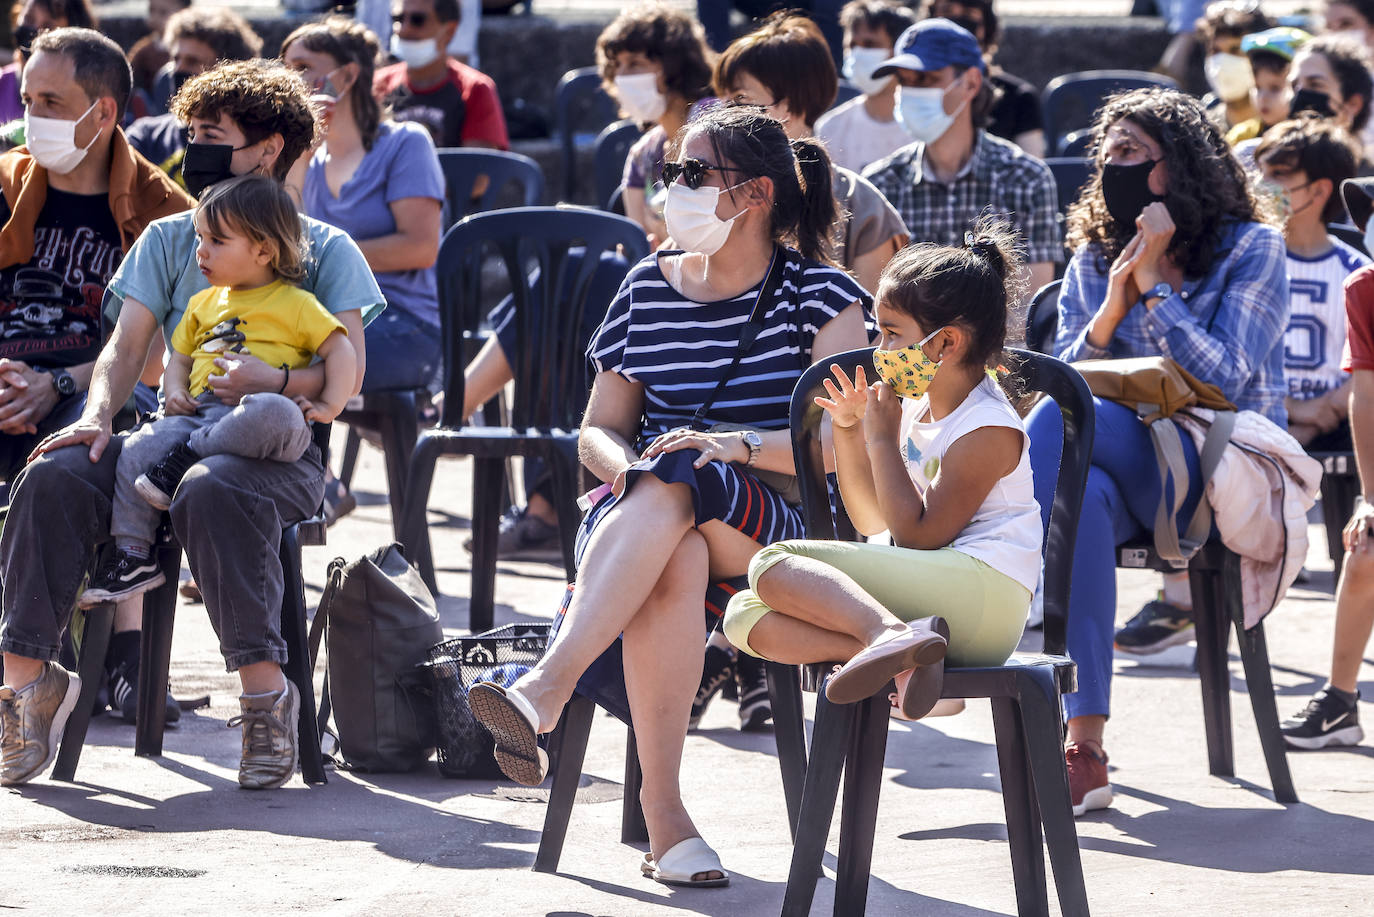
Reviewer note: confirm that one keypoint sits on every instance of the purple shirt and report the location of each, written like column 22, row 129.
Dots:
column 402, row 163
column 11, row 106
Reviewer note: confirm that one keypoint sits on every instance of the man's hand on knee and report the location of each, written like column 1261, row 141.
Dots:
column 91, row 432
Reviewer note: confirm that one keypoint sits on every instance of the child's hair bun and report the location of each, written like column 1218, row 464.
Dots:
column 986, row 245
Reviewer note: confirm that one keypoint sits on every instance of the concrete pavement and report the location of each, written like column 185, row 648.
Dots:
column 176, row 835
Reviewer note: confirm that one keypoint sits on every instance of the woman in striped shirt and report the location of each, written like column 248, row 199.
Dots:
column 685, row 508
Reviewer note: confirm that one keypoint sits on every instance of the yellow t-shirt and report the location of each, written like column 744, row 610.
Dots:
column 277, row 324
column 1245, row 130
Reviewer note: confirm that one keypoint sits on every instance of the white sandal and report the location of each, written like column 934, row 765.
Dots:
column 684, row 860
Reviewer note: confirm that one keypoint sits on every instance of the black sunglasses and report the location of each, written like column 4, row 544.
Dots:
column 693, row 172
column 415, row 19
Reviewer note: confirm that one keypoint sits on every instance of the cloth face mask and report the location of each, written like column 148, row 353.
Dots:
column 690, row 214
column 1126, row 191
column 922, row 112
column 1229, row 75
column 639, row 96
column 415, row 52
column 206, row 163
column 859, row 64
column 908, row 370
column 52, row 141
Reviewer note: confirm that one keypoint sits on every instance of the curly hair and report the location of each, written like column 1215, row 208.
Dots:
column 1207, row 184
column 346, row 41
column 262, row 97
column 222, row 30
column 671, row 37
column 1231, row 19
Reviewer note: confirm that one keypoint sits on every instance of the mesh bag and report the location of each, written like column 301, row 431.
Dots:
column 500, row 656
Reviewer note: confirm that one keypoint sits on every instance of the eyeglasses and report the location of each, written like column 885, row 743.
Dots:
column 416, row 19
column 693, row 172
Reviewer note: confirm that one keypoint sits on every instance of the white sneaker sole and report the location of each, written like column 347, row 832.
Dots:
column 1098, row 798
column 1350, row 735
column 55, row 729
column 93, row 597
column 152, row 493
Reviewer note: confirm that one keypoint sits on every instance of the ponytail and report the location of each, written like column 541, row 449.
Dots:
column 818, row 213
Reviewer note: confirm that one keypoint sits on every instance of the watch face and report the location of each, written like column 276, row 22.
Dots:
column 64, row 382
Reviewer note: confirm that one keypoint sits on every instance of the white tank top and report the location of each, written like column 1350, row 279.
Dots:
column 1005, row 533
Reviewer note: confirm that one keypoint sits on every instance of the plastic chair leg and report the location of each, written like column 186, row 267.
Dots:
column 565, row 495
column 863, row 776
column 1023, row 814
column 789, row 731
column 399, row 429
column 828, row 746
column 1041, row 725
column 633, row 830
column 414, row 523
column 567, row 751
column 350, row 457
column 155, row 654
column 1213, row 636
column 297, row 668
column 1254, row 654
column 488, row 479
column 91, row 671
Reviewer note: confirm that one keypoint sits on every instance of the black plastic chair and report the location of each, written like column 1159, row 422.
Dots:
column 612, row 147
column 1070, row 102
column 1077, row 145
column 581, row 108
column 551, row 380
column 159, row 615
column 1025, row 692
column 1340, row 487
column 508, row 174
column 1349, row 235
column 1042, row 318
column 1071, row 174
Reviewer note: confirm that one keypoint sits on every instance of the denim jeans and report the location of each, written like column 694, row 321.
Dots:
column 403, row 352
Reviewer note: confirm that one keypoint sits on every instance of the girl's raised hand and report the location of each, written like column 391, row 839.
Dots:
column 847, row 401
column 883, row 415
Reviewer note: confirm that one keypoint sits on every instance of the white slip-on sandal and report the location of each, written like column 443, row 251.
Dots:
column 684, row 860
column 512, row 722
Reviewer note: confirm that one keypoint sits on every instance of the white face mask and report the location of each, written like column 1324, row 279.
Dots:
column 415, row 52
column 52, row 141
column 1229, row 75
column 691, row 218
column 1356, row 36
column 859, row 64
column 922, row 112
column 639, row 96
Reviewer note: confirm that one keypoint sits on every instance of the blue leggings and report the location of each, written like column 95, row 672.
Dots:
column 1119, row 504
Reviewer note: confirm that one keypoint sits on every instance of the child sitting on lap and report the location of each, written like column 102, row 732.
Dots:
column 250, row 248
column 935, row 454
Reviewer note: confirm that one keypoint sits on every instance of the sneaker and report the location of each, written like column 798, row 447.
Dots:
column 1326, row 720
column 270, row 755
column 1088, row 786
column 717, row 671
column 525, row 537
column 755, row 708
column 160, row 483
column 1155, row 627
column 123, row 682
column 123, row 576
column 31, row 723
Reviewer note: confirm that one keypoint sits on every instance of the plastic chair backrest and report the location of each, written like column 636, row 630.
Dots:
column 1349, row 235
column 612, row 147
column 1032, row 372
column 1071, row 101
column 1042, row 318
column 1077, row 144
column 1070, row 175
column 462, row 168
column 551, row 380
column 581, row 108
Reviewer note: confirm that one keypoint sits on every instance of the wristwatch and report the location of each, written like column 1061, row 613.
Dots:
column 62, row 381
column 1160, row 290
column 755, row 444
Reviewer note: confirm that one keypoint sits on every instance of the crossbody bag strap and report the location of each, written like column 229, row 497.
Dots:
column 748, row 334
column 317, row 627
column 1164, row 436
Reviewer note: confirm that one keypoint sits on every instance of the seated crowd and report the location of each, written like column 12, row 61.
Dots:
column 192, row 187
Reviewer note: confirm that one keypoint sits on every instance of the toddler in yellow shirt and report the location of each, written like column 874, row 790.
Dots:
column 251, row 249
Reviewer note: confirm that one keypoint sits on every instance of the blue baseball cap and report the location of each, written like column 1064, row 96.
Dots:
column 934, row 44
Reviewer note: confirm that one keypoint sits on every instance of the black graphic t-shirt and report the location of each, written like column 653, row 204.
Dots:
column 441, row 110
column 50, row 306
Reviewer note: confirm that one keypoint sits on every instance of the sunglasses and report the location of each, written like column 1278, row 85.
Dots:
column 414, row 19
column 24, row 36
column 692, row 171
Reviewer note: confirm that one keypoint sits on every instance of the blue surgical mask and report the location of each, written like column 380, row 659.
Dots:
column 922, row 112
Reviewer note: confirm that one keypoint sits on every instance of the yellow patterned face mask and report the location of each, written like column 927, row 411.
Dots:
column 908, row 370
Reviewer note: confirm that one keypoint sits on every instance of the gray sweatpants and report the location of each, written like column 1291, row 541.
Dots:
column 261, row 426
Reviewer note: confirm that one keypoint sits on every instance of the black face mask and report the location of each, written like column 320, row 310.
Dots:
column 1313, row 101
column 204, row 164
column 1126, row 190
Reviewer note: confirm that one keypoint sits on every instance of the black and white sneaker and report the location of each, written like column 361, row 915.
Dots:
column 123, row 576
column 717, row 671
column 160, row 483
column 124, row 696
column 1326, row 720
column 1155, row 627
column 755, row 707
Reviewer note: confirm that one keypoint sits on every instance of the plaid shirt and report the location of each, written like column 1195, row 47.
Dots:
column 999, row 178
column 1226, row 328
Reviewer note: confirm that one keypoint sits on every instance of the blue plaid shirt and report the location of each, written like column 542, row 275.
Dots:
column 1225, row 328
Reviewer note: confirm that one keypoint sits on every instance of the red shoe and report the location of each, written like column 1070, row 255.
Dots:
column 1088, row 786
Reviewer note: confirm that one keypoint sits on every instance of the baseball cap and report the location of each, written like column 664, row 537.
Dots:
column 933, row 44
column 1283, row 41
